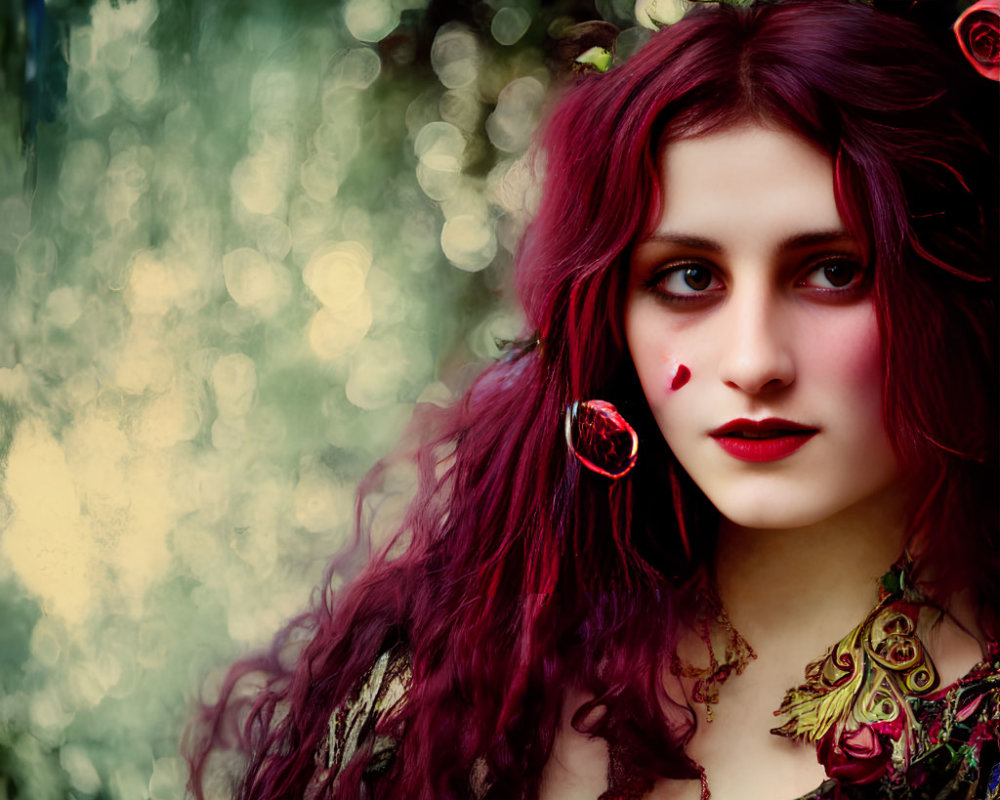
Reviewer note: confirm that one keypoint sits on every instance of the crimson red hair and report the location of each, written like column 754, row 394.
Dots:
column 521, row 575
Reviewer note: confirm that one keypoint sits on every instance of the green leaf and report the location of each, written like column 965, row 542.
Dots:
column 596, row 57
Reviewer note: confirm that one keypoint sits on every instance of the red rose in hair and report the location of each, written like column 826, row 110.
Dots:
column 857, row 757
column 978, row 32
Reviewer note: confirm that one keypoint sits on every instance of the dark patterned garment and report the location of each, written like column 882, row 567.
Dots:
column 882, row 726
column 352, row 724
column 954, row 749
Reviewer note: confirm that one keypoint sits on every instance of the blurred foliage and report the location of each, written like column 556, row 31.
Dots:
column 238, row 242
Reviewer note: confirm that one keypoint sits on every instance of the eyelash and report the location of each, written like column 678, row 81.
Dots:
column 858, row 285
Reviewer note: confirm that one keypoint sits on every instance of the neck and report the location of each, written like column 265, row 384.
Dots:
column 809, row 585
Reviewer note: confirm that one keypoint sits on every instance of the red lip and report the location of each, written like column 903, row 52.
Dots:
column 768, row 440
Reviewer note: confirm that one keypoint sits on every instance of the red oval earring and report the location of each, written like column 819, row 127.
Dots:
column 600, row 438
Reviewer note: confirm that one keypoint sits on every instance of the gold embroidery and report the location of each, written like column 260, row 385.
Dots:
column 352, row 724
column 866, row 679
column 738, row 653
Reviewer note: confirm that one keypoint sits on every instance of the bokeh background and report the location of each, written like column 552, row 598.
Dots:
column 238, row 242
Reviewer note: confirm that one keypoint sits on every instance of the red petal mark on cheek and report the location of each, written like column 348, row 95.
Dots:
column 682, row 376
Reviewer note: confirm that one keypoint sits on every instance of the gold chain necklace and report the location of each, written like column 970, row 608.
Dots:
column 711, row 615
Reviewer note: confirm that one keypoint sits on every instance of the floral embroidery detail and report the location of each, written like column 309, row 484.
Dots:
column 854, row 704
column 882, row 728
column 859, row 755
column 953, row 733
column 963, row 732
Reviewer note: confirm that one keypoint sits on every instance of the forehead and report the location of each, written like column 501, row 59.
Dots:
column 747, row 176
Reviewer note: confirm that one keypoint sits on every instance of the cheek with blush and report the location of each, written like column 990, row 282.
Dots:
column 852, row 362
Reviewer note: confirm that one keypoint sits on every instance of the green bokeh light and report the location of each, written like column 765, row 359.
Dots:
column 238, row 242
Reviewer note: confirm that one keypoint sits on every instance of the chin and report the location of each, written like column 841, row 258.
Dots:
column 783, row 510
column 772, row 518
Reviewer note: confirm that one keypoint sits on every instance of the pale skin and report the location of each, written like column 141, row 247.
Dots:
column 752, row 282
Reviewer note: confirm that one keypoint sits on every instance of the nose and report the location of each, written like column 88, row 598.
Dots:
column 757, row 347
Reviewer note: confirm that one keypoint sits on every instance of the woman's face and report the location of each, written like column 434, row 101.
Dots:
column 750, row 321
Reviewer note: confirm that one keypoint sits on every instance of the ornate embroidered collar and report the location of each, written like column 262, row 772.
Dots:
column 860, row 704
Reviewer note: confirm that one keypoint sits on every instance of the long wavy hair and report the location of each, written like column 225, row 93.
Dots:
column 515, row 575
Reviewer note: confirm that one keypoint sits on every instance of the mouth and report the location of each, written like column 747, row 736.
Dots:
column 762, row 440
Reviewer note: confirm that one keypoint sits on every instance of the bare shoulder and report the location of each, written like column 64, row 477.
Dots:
column 955, row 640
column 578, row 765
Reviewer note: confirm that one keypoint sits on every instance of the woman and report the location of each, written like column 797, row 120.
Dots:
column 763, row 240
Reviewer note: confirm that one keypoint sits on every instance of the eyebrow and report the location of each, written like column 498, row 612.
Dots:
column 797, row 241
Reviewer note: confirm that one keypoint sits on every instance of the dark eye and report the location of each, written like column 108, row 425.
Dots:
column 688, row 280
column 698, row 278
column 835, row 273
